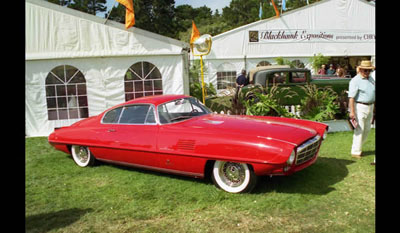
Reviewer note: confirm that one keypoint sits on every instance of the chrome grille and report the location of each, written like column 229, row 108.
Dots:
column 307, row 150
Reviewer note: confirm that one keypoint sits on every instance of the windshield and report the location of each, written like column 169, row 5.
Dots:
column 181, row 109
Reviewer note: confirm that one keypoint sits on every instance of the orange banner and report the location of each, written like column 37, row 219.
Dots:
column 195, row 33
column 130, row 14
column 275, row 8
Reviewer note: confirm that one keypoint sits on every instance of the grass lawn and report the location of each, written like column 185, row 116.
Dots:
column 336, row 194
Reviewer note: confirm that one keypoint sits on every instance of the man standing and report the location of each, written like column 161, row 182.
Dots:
column 361, row 102
column 241, row 80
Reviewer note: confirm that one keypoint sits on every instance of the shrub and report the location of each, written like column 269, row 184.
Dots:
column 265, row 104
column 195, row 82
column 319, row 104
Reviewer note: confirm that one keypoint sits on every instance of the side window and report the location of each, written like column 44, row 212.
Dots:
column 137, row 114
column 298, row 77
column 112, row 116
column 277, row 78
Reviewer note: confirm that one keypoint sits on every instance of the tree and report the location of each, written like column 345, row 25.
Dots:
column 89, row 6
column 117, row 13
column 241, row 12
column 60, row 2
column 151, row 15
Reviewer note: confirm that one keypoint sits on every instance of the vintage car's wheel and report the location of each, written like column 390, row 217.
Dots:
column 82, row 156
column 233, row 177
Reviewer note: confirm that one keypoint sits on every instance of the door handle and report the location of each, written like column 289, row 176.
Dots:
column 111, row 130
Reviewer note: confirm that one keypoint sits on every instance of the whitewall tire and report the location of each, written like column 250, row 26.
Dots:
column 233, row 177
column 82, row 156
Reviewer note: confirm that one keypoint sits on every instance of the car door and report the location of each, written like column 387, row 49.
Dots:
column 132, row 137
column 177, row 141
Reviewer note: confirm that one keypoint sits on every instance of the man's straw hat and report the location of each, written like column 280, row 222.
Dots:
column 366, row 65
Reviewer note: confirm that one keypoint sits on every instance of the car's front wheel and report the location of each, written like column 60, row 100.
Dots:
column 82, row 156
column 233, row 177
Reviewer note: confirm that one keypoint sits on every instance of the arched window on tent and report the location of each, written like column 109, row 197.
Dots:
column 142, row 79
column 263, row 63
column 226, row 76
column 66, row 94
column 298, row 64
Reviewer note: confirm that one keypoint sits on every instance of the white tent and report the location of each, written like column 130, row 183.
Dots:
column 341, row 29
column 76, row 65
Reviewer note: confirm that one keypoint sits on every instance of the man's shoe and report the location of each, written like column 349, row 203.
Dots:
column 373, row 163
column 356, row 156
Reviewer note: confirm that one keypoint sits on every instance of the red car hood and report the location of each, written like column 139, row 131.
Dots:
column 271, row 128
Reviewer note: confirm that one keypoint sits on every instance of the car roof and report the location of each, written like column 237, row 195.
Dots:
column 277, row 68
column 155, row 99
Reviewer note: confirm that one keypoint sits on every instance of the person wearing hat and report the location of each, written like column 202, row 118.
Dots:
column 331, row 71
column 361, row 102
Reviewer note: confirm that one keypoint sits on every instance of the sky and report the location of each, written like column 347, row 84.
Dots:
column 212, row 4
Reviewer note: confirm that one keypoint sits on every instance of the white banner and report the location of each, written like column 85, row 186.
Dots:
column 310, row 36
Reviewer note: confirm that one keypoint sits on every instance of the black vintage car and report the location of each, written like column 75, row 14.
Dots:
column 293, row 79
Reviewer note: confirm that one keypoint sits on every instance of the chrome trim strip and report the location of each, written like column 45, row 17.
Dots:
column 164, row 170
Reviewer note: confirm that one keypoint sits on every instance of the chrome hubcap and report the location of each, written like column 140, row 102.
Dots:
column 82, row 154
column 232, row 174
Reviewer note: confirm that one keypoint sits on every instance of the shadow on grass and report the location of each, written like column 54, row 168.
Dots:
column 368, row 153
column 317, row 179
column 54, row 220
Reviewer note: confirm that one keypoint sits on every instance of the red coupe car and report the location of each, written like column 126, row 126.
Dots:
column 177, row 134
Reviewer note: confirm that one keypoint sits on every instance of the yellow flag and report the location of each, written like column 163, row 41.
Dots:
column 195, row 33
column 130, row 14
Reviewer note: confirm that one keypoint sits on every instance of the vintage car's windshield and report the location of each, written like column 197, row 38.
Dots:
column 181, row 109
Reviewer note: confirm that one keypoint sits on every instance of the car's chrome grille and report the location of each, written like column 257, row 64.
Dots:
column 307, row 150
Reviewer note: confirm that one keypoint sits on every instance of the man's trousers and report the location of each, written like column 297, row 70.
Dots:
column 363, row 114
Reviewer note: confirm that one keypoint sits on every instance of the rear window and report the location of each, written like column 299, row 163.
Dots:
column 112, row 116
column 298, row 77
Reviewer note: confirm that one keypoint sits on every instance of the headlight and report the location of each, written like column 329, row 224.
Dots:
column 325, row 134
column 291, row 158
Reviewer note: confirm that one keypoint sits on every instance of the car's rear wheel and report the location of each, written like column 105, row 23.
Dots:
column 82, row 156
column 233, row 177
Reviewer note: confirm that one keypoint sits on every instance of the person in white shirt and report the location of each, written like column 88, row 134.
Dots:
column 361, row 102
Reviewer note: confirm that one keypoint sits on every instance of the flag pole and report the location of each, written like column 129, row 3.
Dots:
column 108, row 16
column 202, row 80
